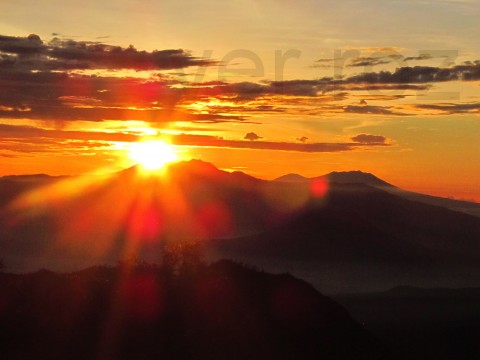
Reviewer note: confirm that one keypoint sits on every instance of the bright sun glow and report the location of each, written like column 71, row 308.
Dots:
column 152, row 154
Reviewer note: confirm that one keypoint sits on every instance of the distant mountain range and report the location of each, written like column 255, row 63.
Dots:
column 360, row 177
column 362, row 238
column 346, row 177
column 343, row 232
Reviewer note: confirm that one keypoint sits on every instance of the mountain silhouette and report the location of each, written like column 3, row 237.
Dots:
column 343, row 177
column 221, row 311
column 292, row 178
column 363, row 238
column 360, row 177
column 356, row 233
column 421, row 323
column 82, row 221
column 356, row 177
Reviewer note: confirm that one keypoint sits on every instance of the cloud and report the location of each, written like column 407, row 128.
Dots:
column 100, row 55
column 419, row 75
column 380, row 87
column 38, row 81
column 34, row 54
column 211, row 141
column 21, row 131
column 15, row 139
column 325, row 60
column 323, row 63
column 383, row 56
column 368, row 61
column 60, row 111
column 252, row 136
column 451, row 108
column 387, row 59
column 32, row 44
column 34, row 140
column 302, row 139
column 368, row 139
column 314, row 88
column 41, row 80
column 69, row 97
column 372, row 109
column 419, row 57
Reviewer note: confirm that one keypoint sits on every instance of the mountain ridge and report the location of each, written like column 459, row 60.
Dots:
column 344, row 235
column 364, row 237
column 222, row 310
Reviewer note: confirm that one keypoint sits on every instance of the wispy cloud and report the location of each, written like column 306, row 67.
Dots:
column 451, row 108
column 29, row 139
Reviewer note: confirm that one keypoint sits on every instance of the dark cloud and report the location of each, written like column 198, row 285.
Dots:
column 379, row 59
column 28, row 139
column 15, row 139
column 32, row 44
column 115, row 57
column 419, row 74
column 19, row 132
column 37, row 81
column 34, row 54
column 309, row 88
column 367, row 61
column 450, row 108
column 58, row 111
column 327, row 60
column 252, row 136
column 371, row 109
column 204, row 140
column 407, row 76
column 368, row 139
column 383, row 97
column 364, row 62
column 61, row 96
column 384, row 87
column 323, row 63
column 419, row 57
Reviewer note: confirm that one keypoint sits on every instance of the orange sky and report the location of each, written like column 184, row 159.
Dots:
column 265, row 88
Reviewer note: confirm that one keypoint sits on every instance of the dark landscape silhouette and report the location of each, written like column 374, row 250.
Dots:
column 248, row 179
column 343, row 232
column 354, row 237
column 142, row 311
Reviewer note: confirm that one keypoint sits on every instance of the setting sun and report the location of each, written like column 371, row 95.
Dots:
column 152, row 154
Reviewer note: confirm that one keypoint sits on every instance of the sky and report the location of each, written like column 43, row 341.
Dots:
column 267, row 87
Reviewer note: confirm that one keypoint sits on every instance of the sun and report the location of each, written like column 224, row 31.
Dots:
column 152, row 154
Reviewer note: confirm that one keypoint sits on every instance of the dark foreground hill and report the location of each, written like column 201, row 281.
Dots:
column 421, row 324
column 221, row 311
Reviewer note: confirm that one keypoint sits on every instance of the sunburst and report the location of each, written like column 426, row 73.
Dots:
column 152, row 154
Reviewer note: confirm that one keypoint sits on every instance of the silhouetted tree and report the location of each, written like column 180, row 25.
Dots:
column 182, row 257
column 133, row 263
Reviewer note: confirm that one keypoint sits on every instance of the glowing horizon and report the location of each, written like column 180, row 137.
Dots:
column 349, row 88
